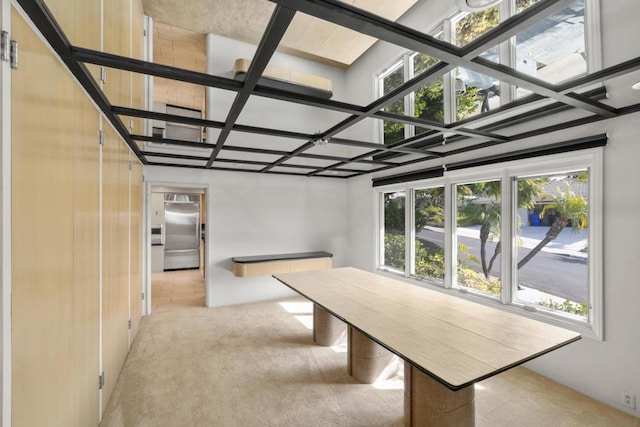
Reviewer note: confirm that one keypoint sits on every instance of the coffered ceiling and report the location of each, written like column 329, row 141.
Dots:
column 324, row 151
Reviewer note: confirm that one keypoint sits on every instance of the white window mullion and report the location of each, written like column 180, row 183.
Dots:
column 449, row 80
column 380, row 230
column 408, row 99
column 450, row 247
column 507, row 238
column 410, row 232
column 507, row 53
column 595, row 247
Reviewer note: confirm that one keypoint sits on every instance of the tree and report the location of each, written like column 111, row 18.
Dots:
column 483, row 207
column 568, row 209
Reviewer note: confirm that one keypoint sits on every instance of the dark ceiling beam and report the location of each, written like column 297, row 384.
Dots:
column 200, row 145
column 176, row 142
column 374, row 146
column 417, row 121
column 175, row 156
column 527, row 116
column 601, row 75
column 407, row 87
column 158, row 70
column 523, row 135
column 276, row 28
column 218, row 168
column 283, row 159
column 435, row 48
column 372, row 25
column 153, row 69
column 133, row 112
column 427, row 77
column 165, row 117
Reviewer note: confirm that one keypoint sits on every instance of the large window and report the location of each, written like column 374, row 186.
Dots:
column 524, row 235
column 553, row 50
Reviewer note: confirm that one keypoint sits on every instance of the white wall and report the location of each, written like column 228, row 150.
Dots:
column 599, row 369
column 258, row 214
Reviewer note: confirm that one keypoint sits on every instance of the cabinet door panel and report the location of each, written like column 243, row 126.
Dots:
column 115, row 286
column 55, row 250
column 136, row 246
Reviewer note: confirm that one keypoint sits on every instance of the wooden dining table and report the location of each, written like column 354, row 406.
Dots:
column 447, row 343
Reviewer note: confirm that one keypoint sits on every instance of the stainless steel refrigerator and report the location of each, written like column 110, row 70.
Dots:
column 182, row 231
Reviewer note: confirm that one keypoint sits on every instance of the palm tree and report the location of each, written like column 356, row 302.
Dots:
column 486, row 211
column 567, row 208
column 483, row 209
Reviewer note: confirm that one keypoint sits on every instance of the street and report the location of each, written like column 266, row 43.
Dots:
column 554, row 273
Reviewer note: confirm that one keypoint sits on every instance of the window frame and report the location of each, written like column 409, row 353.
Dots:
column 507, row 172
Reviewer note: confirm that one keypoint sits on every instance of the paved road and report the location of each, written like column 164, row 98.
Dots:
column 557, row 274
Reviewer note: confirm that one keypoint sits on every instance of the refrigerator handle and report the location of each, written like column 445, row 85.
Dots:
column 198, row 227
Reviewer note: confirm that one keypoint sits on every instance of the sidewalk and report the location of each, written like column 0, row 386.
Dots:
column 568, row 242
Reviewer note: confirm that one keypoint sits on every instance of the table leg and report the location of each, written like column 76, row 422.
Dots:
column 429, row 403
column 328, row 330
column 368, row 361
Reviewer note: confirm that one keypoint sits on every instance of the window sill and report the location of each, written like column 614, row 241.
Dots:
column 544, row 316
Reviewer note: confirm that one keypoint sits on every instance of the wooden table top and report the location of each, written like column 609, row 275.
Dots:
column 455, row 341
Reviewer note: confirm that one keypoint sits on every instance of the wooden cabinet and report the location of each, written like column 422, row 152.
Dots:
column 56, row 235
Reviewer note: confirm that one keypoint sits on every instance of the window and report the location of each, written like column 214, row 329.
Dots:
column 427, row 102
column 524, row 235
column 394, row 230
column 477, row 236
column 393, row 131
column 429, row 241
column 553, row 50
column 552, row 254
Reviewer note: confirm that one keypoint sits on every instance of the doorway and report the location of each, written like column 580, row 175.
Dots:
column 176, row 268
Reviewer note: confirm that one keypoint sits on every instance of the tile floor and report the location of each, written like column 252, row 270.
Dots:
column 174, row 290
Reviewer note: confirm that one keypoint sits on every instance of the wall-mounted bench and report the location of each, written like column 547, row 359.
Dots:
column 266, row 265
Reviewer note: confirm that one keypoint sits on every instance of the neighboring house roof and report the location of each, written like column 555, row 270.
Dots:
column 555, row 187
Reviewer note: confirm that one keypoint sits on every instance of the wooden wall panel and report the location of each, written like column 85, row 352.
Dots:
column 55, row 265
column 115, row 286
column 86, row 263
column 117, row 40
column 137, row 33
column 136, row 247
column 78, row 19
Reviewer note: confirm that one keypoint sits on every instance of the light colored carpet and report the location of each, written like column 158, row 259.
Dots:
column 256, row 365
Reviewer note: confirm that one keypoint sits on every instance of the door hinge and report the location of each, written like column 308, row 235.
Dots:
column 101, row 380
column 8, row 50
column 130, row 165
column 129, row 324
column 143, row 295
column 131, row 124
column 103, row 75
column 101, row 138
column 4, row 46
